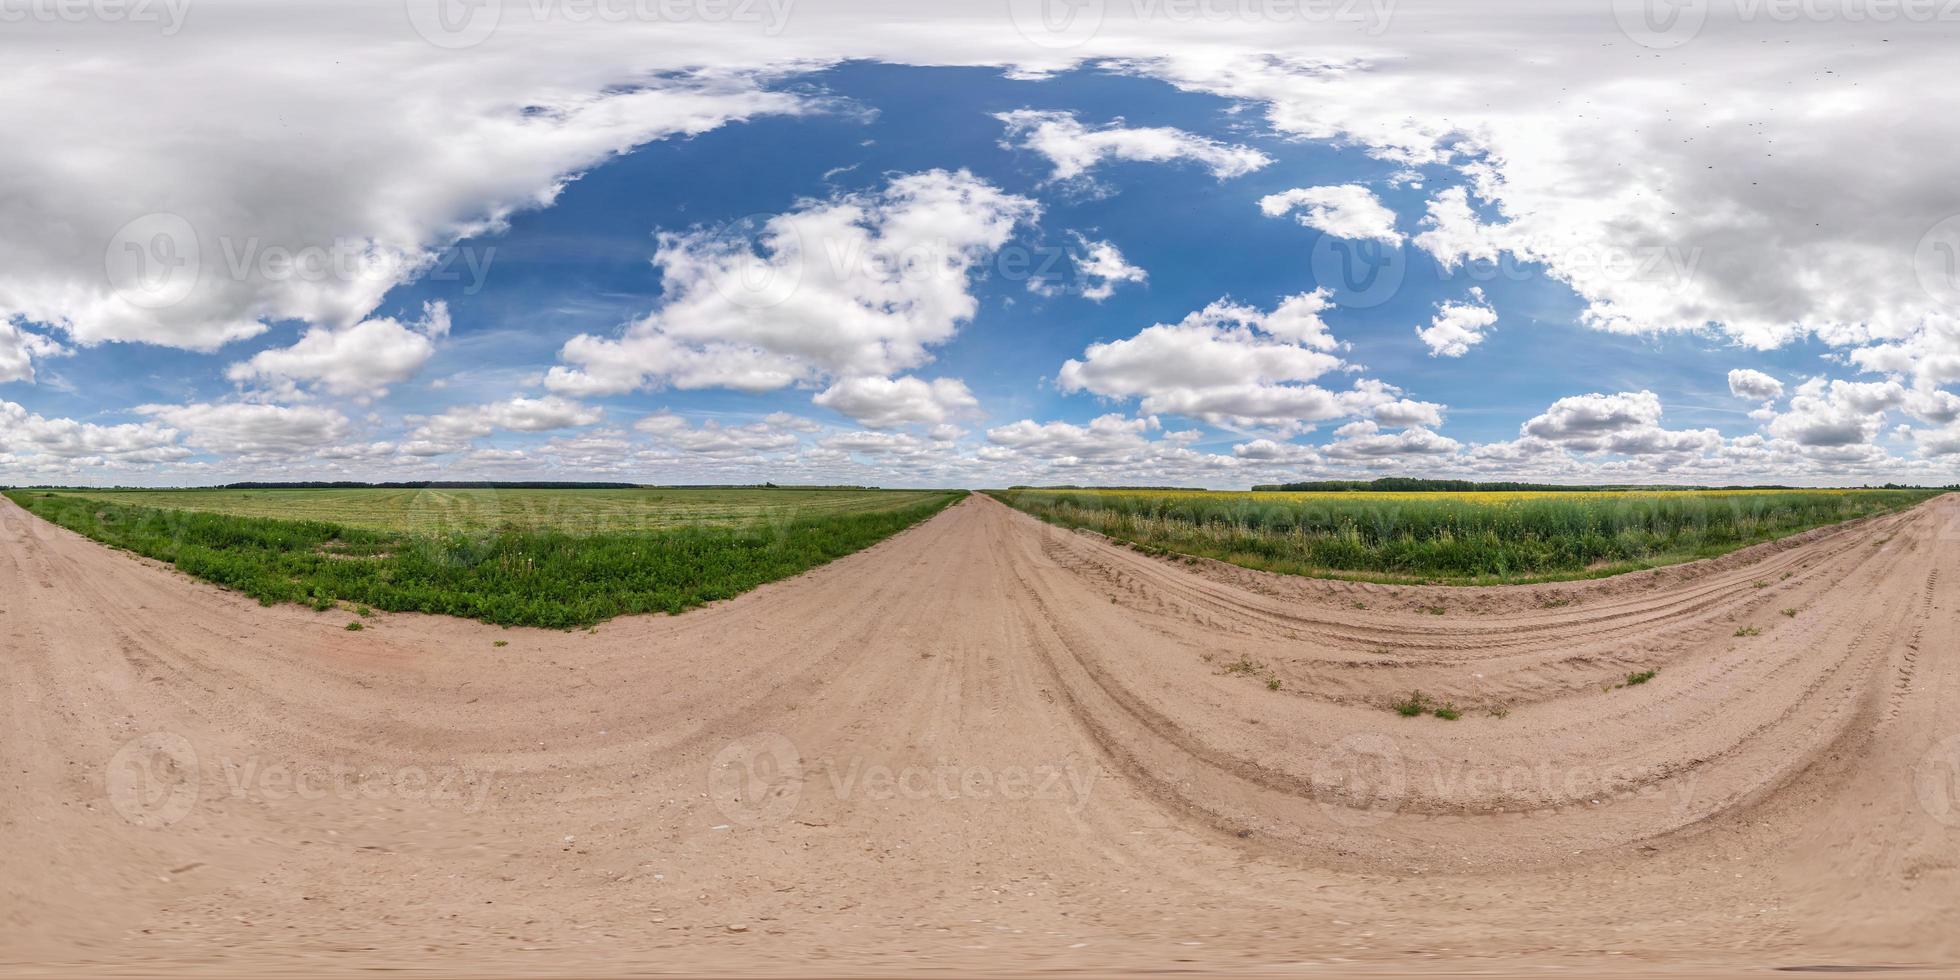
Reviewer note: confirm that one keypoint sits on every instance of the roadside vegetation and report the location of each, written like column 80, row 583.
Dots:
column 509, row 574
column 1463, row 538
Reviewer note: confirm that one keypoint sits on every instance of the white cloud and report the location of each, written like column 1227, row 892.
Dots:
column 1929, row 354
column 1073, row 149
column 293, row 197
column 885, row 403
column 882, row 444
column 1837, row 413
column 1269, row 451
column 1932, row 407
column 1626, row 423
column 1458, row 326
column 19, row 348
column 1363, row 439
column 1105, row 438
column 1754, row 385
column 361, row 360
column 25, row 432
column 452, row 430
column 1342, row 210
column 1453, row 234
column 857, row 285
column 1406, row 412
column 1943, row 441
column 244, row 428
column 1101, row 267
column 713, row 439
column 1228, row 363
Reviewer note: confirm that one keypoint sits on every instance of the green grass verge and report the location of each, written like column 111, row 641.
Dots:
column 510, row 576
column 1454, row 539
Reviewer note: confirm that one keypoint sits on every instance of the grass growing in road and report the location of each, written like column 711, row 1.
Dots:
column 509, row 575
column 1453, row 538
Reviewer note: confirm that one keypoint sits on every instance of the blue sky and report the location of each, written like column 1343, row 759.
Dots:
column 530, row 331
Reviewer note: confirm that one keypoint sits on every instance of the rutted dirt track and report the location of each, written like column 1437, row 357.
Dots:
column 988, row 744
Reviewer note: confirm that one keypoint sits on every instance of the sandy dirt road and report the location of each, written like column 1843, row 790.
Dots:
column 987, row 744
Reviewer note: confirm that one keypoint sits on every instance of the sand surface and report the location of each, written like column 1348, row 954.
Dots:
column 991, row 745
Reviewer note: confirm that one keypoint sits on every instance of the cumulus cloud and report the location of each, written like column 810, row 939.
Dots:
column 1106, row 438
column 1228, row 363
column 1837, row 413
column 1407, row 412
column 452, row 430
column 716, row 440
column 1269, row 451
column 1458, row 326
column 858, row 285
column 1342, row 210
column 885, row 403
column 1073, row 149
column 902, row 445
column 24, row 432
column 1452, row 233
column 1363, row 439
column 1754, row 385
column 19, row 348
column 250, row 429
column 1100, row 267
column 1627, row 423
column 1932, row 407
column 361, row 360
column 292, row 198
column 1944, row 441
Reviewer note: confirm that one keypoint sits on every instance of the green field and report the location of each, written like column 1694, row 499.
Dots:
column 556, row 558
column 571, row 511
column 1454, row 538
